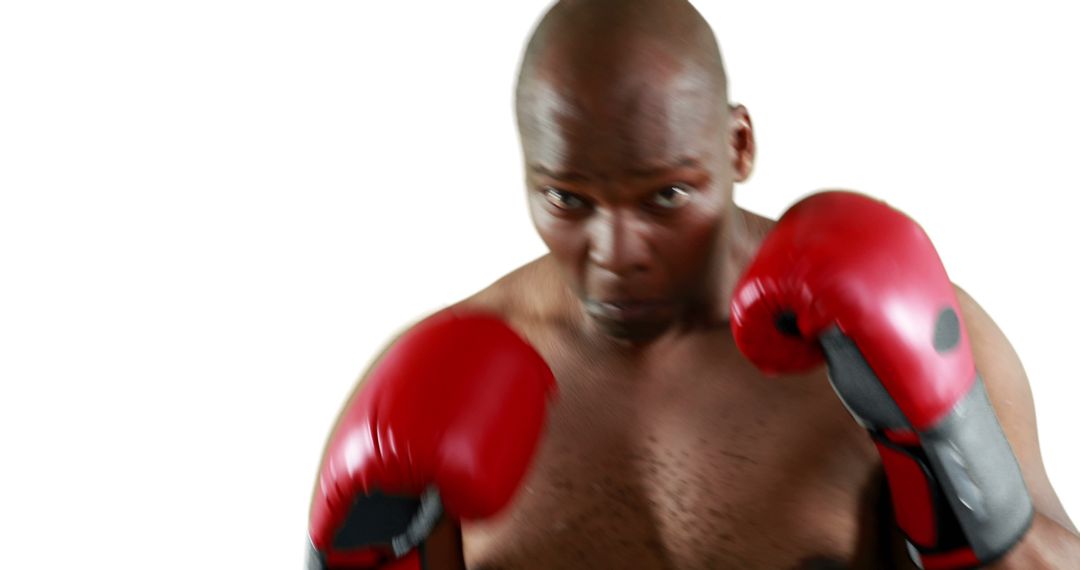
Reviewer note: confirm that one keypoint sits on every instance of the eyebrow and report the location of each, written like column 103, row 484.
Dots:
column 655, row 169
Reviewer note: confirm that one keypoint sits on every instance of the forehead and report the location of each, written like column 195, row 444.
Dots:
column 651, row 108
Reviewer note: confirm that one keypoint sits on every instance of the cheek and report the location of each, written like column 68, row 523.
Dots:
column 692, row 247
column 564, row 239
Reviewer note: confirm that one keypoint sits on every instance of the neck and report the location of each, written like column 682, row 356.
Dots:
column 743, row 232
column 740, row 244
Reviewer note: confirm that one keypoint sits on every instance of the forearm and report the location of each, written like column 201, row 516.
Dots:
column 1047, row 545
column 443, row 550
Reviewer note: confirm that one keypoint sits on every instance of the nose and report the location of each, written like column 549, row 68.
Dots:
column 618, row 244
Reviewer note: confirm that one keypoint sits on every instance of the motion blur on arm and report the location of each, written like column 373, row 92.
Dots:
column 1052, row 541
column 631, row 151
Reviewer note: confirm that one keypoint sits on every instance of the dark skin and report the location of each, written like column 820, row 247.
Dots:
column 666, row 448
column 629, row 180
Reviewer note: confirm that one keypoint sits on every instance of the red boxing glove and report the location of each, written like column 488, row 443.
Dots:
column 449, row 418
column 847, row 278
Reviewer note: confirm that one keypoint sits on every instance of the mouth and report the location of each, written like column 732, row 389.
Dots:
column 625, row 310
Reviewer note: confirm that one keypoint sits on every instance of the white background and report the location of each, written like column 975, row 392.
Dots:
column 214, row 213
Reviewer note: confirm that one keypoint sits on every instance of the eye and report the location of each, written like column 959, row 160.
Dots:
column 670, row 198
column 564, row 200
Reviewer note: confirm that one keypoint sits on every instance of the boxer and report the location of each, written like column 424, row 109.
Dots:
column 668, row 447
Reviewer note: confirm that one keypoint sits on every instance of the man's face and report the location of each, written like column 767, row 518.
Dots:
column 629, row 186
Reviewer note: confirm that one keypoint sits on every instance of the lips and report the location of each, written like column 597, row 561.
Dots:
column 624, row 309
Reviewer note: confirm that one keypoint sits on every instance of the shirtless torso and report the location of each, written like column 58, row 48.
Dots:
column 681, row 455
column 666, row 448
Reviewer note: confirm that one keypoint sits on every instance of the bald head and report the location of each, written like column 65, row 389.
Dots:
column 631, row 152
column 580, row 43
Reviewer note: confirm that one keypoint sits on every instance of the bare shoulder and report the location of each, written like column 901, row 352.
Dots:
column 757, row 221
column 530, row 296
column 757, row 225
column 1010, row 392
column 523, row 298
column 526, row 297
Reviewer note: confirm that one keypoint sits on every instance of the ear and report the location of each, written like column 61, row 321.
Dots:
column 743, row 147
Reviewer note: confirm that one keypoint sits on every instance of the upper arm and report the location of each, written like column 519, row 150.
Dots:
column 1010, row 393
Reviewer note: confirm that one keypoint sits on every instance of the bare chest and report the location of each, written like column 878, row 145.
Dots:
column 684, row 459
